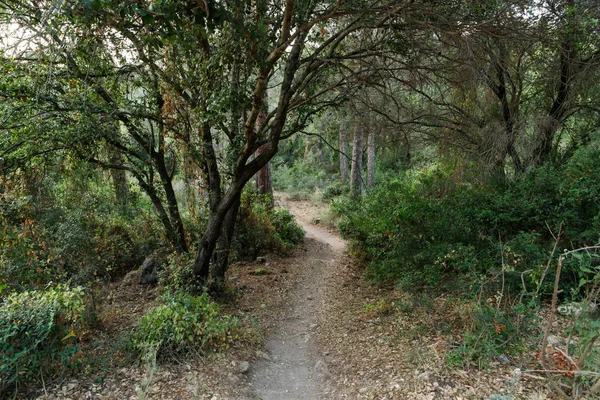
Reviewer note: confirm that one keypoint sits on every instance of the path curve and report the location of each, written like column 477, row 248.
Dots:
column 291, row 366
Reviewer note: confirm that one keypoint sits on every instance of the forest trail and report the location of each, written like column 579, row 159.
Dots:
column 292, row 366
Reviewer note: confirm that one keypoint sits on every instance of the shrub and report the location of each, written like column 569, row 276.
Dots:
column 79, row 236
column 304, row 179
column 184, row 324
column 493, row 332
column 39, row 332
column 178, row 273
column 286, row 227
column 261, row 228
column 424, row 229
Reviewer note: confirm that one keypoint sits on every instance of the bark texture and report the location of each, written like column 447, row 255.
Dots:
column 357, row 150
column 119, row 179
column 371, row 160
column 343, row 148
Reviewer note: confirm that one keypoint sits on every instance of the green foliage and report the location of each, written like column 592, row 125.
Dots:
column 425, row 229
column 69, row 228
column 178, row 272
column 286, row 227
column 261, row 228
column 184, row 324
column 493, row 332
column 39, row 333
column 308, row 179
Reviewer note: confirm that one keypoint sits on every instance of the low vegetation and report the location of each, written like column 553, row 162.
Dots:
column 40, row 333
column 182, row 324
column 58, row 261
column 458, row 144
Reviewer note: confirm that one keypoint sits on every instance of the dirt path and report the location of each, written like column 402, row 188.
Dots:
column 291, row 366
column 332, row 336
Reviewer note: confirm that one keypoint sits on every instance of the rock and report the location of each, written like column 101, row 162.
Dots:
column 261, row 259
column 132, row 278
column 320, row 366
column 570, row 310
column 424, row 376
column 313, row 326
column 152, row 265
column 503, row 359
column 263, row 355
column 244, row 367
column 554, row 340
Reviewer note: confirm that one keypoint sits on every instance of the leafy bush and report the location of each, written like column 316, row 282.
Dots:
column 39, row 332
column 178, row 273
column 425, row 229
column 493, row 332
column 62, row 233
column 261, row 228
column 303, row 180
column 286, row 227
column 184, row 324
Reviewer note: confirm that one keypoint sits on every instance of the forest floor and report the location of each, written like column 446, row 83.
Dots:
column 328, row 334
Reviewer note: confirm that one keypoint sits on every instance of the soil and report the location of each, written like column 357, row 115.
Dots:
column 327, row 335
column 292, row 367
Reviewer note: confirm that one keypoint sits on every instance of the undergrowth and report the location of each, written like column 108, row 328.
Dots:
column 182, row 324
column 40, row 332
column 261, row 228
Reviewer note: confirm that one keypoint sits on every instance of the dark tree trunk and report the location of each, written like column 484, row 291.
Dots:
column 548, row 126
column 119, row 179
column 222, row 254
column 357, row 150
column 174, row 215
column 214, row 228
column 509, row 116
column 170, row 231
column 343, row 147
column 371, row 159
column 264, row 180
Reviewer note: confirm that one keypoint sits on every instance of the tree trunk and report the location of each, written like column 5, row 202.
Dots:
column 371, row 160
column 220, row 261
column 174, row 215
column 510, row 112
column 170, row 231
column 343, row 147
column 548, row 127
column 245, row 167
column 214, row 228
column 119, row 179
column 264, row 180
column 357, row 150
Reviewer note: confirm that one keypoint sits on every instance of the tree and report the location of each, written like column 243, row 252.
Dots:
column 186, row 78
column 357, row 155
column 343, row 145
